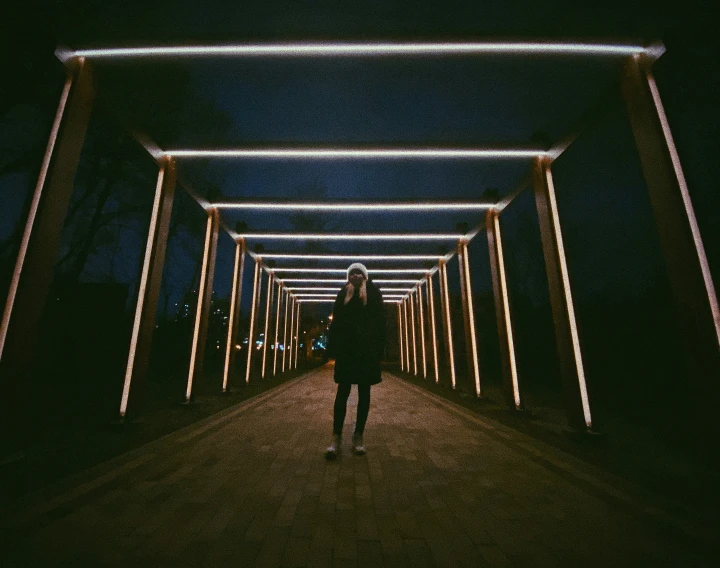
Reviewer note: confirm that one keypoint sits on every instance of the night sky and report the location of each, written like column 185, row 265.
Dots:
column 445, row 101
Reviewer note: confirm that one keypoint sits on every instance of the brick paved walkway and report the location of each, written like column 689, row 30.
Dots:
column 438, row 487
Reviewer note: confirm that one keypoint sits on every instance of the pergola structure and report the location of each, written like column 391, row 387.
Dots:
column 409, row 286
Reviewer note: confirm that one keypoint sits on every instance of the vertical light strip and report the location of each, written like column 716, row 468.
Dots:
column 431, row 303
column 689, row 211
column 231, row 320
column 285, row 326
column 414, row 342
column 422, row 331
column 297, row 334
column 292, row 333
column 251, row 331
column 145, row 275
column 400, row 340
column 277, row 326
column 451, row 348
column 506, row 308
column 268, row 303
column 568, row 296
column 30, row 222
column 471, row 313
column 199, row 307
column 407, row 336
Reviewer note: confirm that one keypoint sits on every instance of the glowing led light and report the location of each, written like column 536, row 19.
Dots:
column 400, row 341
column 25, row 241
column 285, row 326
column 277, row 327
column 344, row 270
column 344, row 280
column 568, row 294
column 269, row 299
column 349, row 236
column 431, row 302
column 422, row 330
column 144, row 277
column 465, row 267
column 253, row 307
column 233, row 305
column 361, row 153
column 297, row 334
column 343, row 49
column 451, row 351
column 506, row 309
column 428, row 206
column 689, row 211
column 352, row 256
column 407, row 337
column 200, row 302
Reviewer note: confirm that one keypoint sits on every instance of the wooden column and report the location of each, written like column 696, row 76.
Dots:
column 33, row 273
column 692, row 285
column 257, row 284
column 511, row 385
column 149, row 291
column 277, row 326
column 204, row 298
column 433, row 328
column 471, row 348
column 577, row 403
column 268, row 304
column 447, row 323
column 234, row 316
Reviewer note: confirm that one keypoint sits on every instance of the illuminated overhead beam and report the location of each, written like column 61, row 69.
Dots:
column 350, row 236
column 344, row 270
column 347, row 49
column 344, row 281
column 434, row 257
column 335, row 289
column 378, row 207
column 360, row 153
column 331, row 301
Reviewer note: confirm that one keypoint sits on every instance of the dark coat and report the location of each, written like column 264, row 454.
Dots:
column 356, row 339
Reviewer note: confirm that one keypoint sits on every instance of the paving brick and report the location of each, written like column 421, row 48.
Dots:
column 439, row 487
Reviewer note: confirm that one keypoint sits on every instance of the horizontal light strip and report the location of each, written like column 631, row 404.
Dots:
column 430, row 206
column 363, row 49
column 344, row 281
column 331, row 301
column 355, row 153
column 351, row 236
column 352, row 256
column 319, row 295
column 344, row 270
column 335, row 289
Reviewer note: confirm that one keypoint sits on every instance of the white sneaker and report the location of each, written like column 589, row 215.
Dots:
column 333, row 450
column 357, row 445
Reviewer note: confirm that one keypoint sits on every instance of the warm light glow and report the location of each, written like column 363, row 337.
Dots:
column 285, row 326
column 400, row 341
column 344, row 270
column 292, row 332
column 268, row 303
column 331, row 301
column 297, row 334
column 251, row 334
column 343, row 49
column 689, row 211
column 231, row 319
column 352, row 256
column 431, row 302
column 277, row 327
column 199, row 307
column 144, row 277
column 568, row 294
column 506, row 309
column 344, row 280
column 25, row 241
column 361, row 153
column 349, row 236
column 471, row 313
column 422, row 330
column 427, row 206
column 407, row 336
column 448, row 322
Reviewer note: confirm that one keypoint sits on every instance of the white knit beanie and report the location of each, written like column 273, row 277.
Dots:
column 357, row 266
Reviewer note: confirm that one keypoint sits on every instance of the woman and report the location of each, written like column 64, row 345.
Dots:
column 356, row 341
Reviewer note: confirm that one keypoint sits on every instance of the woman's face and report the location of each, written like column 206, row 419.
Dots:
column 356, row 278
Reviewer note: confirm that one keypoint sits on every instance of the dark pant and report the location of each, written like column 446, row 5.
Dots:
column 363, row 407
